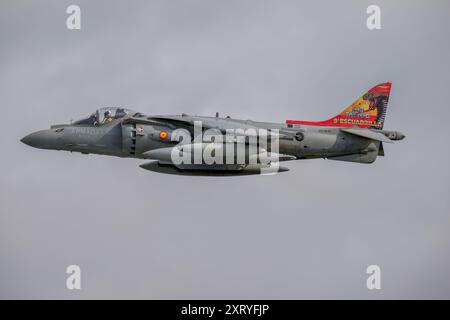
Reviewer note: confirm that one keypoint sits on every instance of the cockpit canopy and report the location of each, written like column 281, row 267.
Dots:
column 105, row 115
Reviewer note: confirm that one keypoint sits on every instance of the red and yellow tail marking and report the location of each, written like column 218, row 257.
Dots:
column 368, row 111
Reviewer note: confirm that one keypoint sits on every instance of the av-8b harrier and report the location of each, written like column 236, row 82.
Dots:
column 198, row 145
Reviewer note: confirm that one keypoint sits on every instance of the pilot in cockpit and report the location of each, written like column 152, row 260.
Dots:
column 107, row 117
column 104, row 116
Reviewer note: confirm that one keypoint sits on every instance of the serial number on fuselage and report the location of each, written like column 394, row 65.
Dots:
column 88, row 131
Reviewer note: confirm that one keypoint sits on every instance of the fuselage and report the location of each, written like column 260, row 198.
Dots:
column 117, row 138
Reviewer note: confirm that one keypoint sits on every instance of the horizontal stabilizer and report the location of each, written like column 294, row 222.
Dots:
column 368, row 134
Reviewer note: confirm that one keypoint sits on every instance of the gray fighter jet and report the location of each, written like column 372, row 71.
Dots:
column 198, row 145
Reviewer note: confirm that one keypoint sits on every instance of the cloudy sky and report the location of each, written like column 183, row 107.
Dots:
column 307, row 233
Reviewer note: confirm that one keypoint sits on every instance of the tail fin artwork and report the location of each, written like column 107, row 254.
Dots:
column 368, row 111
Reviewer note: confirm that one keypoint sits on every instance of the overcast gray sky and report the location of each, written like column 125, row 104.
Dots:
column 307, row 233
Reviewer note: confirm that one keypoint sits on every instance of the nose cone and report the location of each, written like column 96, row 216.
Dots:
column 44, row 139
column 31, row 140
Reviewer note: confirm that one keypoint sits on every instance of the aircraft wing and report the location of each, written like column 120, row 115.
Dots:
column 188, row 123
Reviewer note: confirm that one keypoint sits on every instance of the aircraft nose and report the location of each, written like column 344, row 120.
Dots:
column 31, row 140
column 44, row 139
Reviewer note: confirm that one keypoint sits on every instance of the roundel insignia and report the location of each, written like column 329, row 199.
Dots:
column 299, row 136
column 163, row 135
